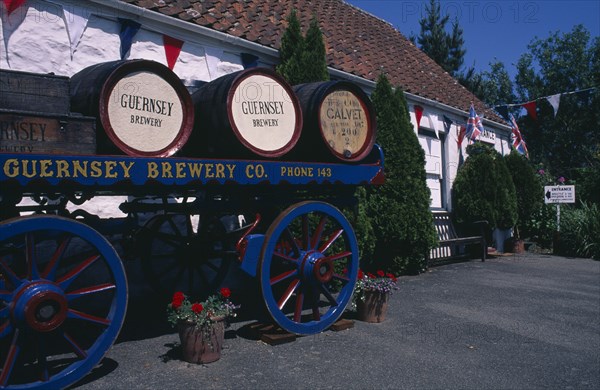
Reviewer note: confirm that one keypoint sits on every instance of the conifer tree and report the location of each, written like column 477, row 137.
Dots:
column 399, row 210
column 444, row 48
column 314, row 61
column 290, row 51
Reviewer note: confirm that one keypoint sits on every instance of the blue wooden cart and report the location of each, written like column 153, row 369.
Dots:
column 63, row 289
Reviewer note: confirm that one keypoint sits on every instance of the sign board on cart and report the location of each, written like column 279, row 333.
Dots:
column 559, row 194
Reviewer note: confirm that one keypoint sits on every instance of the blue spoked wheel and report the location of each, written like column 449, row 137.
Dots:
column 308, row 268
column 63, row 297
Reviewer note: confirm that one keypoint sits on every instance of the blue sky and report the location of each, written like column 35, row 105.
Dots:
column 499, row 29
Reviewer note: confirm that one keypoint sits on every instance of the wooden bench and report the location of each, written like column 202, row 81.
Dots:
column 451, row 246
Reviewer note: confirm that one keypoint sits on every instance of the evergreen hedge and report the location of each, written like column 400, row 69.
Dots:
column 483, row 190
column 399, row 210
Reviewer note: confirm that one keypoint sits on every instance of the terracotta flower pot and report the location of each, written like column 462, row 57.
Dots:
column 373, row 308
column 199, row 345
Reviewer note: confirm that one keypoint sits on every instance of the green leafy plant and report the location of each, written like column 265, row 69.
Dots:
column 202, row 314
column 529, row 190
column 580, row 231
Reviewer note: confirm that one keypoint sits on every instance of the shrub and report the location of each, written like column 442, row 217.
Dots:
column 529, row 191
column 399, row 210
column 580, row 231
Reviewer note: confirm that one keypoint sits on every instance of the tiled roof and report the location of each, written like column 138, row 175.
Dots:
column 356, row 41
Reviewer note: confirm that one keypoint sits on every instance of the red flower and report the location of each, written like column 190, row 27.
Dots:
column 178, row 298
column 370, row 275
column 225, row 292
column 380, row 273
column 197, row 308
column 361, row 274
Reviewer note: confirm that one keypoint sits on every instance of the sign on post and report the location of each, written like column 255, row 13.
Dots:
column 559, row 194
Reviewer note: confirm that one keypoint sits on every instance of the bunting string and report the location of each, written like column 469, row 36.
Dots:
column 530, row 106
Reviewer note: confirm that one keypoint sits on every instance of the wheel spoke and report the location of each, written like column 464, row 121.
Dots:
column 169, row 239
column 90, row 290
column 67, row 279
column 5, row 329
column 305, row 232
column 341, row 278
column 10, row 359
column 283, row 276
column 328, row 295
column 285, row 257
column 288, row 293
column 318, row 232
column 5, row 295
column 331, row 240
column 80, row 352
column 14, row 279
column 50, row 270
column 76, row 314
column 298, row 309
column 338, row 256
column 174, row 226
column 292, row 240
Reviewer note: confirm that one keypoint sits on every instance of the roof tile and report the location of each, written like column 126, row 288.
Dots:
column 355, row 41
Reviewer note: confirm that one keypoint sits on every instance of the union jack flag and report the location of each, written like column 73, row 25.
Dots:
column 517, row 139
column 474, row 125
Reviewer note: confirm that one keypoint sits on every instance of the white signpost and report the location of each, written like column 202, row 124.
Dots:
column 558, row 195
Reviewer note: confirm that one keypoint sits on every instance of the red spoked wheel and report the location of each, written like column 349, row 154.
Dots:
column 63, row 297
column 309, row 266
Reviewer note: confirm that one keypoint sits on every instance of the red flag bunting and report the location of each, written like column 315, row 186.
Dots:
column 12, row 5
column 419, row 115
column 461, row 135
column 531, row 109
column 172, row 49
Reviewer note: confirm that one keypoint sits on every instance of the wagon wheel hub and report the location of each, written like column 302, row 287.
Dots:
column 317, row 267
column 41, row 306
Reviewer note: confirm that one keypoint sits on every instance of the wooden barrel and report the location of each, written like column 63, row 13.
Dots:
column 338, row 120
column 249, row 113
column 142, row 107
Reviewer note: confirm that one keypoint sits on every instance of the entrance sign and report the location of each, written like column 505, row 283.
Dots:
column 559, row 194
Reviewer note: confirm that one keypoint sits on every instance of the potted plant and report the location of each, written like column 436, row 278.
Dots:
column 372, row 293
column 201, row 325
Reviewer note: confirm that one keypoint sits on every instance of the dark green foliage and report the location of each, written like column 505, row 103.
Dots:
column 314, row 57
column 444, row 48
column 362, row 225
column 302, row 59
column 399, row 210
column 484, row 190
column 290, row 51
column 474, row 189
column 580, row 231
column 494, row 87
column 562, row 63
column 528, row 189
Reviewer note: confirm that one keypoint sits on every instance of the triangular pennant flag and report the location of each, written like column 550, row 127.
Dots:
column 128, row 30
column 172, row 50
column 531, row 109
column 213, row 58
column 554, row 101
column 249, row 60
column 12, row 5
column 503, row 111
column 76, row 20
column 447, row 123
column 432, row 125
column 418, row 115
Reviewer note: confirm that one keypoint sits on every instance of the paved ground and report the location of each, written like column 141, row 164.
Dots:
column 525, row 322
